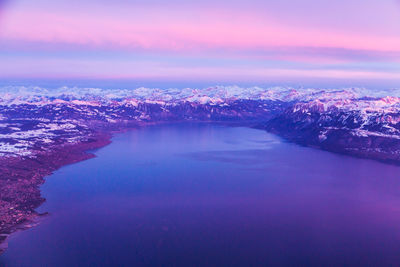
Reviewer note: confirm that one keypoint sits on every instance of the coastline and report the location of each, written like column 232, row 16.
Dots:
column 21, row 179
column 377, row 148
column 22, row 190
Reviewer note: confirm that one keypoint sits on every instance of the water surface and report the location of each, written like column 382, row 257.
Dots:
column 199, row 194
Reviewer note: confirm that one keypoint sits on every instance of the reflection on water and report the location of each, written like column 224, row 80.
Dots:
column 193, row 194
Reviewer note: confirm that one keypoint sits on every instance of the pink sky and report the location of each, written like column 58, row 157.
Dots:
column 242, row 39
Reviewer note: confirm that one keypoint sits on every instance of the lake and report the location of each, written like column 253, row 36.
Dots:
column 202, row 194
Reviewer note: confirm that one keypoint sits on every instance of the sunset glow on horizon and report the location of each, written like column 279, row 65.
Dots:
column 231, row 40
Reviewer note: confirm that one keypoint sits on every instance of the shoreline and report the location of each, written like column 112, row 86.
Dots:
column 28, row 174
column 20, row 213
column 22, row 189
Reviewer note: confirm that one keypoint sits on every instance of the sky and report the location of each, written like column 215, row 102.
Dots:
column 221, row 40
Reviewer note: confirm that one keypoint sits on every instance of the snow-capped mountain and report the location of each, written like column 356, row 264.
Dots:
column 15, row 95
column 42, row 130
column 33, row 119
column 365, row 127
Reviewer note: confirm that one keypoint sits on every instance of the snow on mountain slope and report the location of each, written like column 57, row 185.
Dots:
column 42, row 130
column 36, row 119
column 22, row 95
column 310, row 116
column 366, row 127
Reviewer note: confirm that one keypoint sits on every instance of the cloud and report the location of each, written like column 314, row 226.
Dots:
column 267, row 39
column 181, row 30
column 50, row 67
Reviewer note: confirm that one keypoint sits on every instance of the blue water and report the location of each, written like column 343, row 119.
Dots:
column 199, row 194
